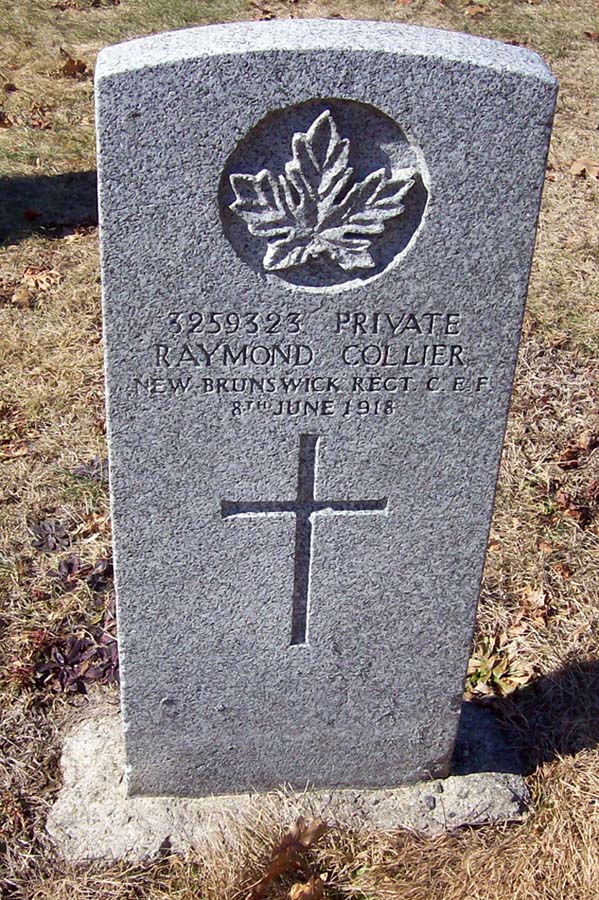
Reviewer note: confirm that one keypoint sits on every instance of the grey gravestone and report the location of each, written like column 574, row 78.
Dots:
column 93, row 818
column 316, row 240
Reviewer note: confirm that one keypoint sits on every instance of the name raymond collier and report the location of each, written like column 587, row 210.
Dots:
column 205, row 356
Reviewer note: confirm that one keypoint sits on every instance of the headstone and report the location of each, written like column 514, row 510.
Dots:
column 316, row 240
column 93, row 818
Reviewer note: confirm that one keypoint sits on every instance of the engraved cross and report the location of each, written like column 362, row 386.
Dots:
column 304, row 507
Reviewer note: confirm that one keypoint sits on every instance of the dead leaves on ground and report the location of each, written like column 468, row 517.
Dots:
column 576, row 507
column 38, row 116
column 533, row 610
column 41, row 278
column 475, row 10
column 289, row 857
column 35, row 280
column 576, row 502
column 578, row 449
column 261, row 11
column 93, row 524
column 83, row 5
column 581, row 506
column 585, row 168
column 13, row 426
column 73, row 68
column 266, row 10
column 313, row 889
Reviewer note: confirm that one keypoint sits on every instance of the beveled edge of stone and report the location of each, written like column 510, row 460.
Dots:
column 319, row 34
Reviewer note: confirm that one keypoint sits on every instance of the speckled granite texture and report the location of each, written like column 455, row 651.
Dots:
column 93, row 818
column 316, row 241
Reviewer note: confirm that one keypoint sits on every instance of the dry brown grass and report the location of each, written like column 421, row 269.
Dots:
column 540, row 601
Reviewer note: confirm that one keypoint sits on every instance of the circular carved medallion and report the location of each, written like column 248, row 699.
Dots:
column 326, row 194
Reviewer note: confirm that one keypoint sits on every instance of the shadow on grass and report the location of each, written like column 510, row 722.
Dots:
column 556, row 715
column 50, row 205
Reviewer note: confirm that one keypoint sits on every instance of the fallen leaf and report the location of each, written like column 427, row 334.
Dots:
column 560, row 341
column 288, row 856
column 568, row 458
column 309, row 833
column 545, row 546
column 592, row 35
column 581, row 513
column 73, row 68
column 94, row 523
column 40, row 278
column 562, row 569
column 13, row 429
column 13, row 452
column 313, row 889
column 534, row 601
column 23, row 298
column 587, row 440
column 519, row 626
column 476, row 9
column 261, row 11
column 5, row 120
column 578, row 448
column 584, row 167
column 592, row 491
column 38, row 116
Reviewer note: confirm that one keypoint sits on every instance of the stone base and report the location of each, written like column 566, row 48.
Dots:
column 94, row 819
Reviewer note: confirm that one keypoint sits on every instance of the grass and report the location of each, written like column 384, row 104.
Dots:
column 538, row 620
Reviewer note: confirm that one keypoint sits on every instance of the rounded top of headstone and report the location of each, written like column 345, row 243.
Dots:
column 318, row 34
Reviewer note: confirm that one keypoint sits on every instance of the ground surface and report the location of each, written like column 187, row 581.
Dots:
column 536, row 655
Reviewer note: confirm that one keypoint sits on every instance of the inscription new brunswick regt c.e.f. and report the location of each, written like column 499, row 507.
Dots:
column 316, row 240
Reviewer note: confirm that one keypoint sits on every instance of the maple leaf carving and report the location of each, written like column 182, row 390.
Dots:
column 315, row 208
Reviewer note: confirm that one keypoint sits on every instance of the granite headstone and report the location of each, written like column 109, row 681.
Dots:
column 316, row 241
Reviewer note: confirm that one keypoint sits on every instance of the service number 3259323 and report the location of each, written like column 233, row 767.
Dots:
column 187, row 323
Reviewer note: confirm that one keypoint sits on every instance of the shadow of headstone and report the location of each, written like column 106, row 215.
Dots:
column 555, row 715
column 51, row 205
